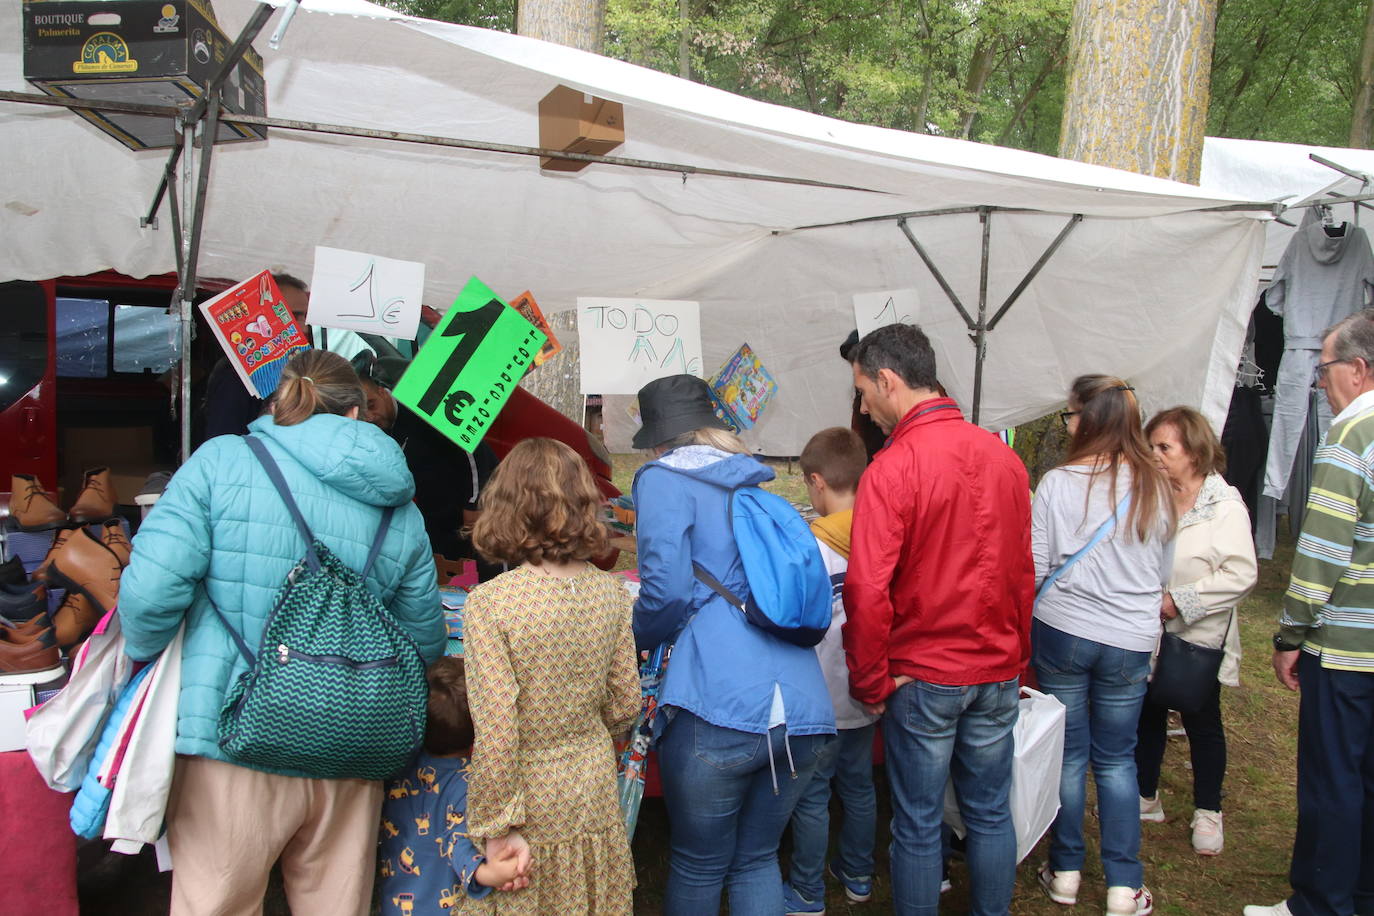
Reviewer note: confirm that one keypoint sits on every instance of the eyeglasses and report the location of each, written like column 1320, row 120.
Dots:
column 1319, row 373
column 1064, row 416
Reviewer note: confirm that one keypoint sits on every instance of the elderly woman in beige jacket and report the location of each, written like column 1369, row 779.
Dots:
column 1214, row 568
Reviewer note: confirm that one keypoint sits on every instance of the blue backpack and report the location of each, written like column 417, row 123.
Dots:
column 789, row 588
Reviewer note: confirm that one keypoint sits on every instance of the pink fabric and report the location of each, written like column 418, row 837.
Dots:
column 35, row 841
column 468, row 578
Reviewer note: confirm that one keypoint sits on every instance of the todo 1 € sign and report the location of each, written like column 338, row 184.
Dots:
column 463, row 375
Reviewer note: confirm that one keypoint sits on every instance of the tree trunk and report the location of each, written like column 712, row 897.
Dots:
column 1139, row 83
column 575, row 23
column 684, row 37
column 578, row 24
column 1362, row 109
column 979, row 68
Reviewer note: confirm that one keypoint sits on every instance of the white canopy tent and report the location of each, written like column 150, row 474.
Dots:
column 1154, row 284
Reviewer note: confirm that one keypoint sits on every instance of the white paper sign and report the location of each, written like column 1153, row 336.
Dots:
column 365, row 292
column 893, row 306
column 627, row 343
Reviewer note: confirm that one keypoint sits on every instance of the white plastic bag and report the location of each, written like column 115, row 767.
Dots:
column 62, row 733
column 1039, row 739
column 139, row 800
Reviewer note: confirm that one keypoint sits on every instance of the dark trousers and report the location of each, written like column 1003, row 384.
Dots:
column 1333, row 853
column 1206, row 744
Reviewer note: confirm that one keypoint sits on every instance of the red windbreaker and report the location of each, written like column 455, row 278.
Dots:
column 941, row 583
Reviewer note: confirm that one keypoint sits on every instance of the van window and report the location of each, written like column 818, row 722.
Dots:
column 146, row 338
column 23, row 340
column 83, row 338
column 98, row 337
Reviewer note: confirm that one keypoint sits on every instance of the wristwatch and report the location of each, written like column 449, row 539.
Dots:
column 1280, row 645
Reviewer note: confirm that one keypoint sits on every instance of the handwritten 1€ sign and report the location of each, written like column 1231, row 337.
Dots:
column 463, row 375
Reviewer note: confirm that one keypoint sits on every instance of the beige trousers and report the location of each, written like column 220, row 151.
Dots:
column 227, row 825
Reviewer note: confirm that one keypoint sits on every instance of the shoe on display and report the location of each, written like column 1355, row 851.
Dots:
column 97, row 499
column 22, row 605
column 35, row 662
column 12, row 572
column 1152, row 809
column 28, row 631
column 1278, row 909
column 85, row 562
column 32, row 507
column 858, row 890
column 794, row 904
column 1059, row 886
column 75, row 618
column 59, row 540
column 1207, row 835
column 112, row 536
column 1129, row 901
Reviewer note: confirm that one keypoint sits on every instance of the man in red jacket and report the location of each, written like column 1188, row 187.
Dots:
column 939, row 596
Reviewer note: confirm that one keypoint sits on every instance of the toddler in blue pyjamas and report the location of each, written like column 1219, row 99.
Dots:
column 427, row 861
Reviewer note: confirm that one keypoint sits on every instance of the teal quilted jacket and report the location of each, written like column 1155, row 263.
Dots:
column 221, row 533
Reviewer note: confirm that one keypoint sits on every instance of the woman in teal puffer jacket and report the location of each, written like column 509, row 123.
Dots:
column 221, row 533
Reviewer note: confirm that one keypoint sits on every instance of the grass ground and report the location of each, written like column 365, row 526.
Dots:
column 1261, row 725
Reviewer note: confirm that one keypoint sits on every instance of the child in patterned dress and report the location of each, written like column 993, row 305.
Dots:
column 428, row 863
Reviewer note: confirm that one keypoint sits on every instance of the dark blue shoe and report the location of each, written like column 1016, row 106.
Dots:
column 794, row 904
column 858, row 890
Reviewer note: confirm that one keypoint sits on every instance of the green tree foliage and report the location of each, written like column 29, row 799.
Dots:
column 989, row 70
column 1285, row 70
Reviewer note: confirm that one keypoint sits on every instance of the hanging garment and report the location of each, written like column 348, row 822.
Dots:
column 1321, row 278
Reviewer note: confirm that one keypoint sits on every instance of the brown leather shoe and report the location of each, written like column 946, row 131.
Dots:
column 97, row 500
column 32, row 507
column 75, row 618
column 112, row 536
column 27, row 631
column 58, row 541
column 89, row 571
column 31, row 662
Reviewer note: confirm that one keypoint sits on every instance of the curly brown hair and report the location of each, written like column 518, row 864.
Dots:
column 448, row 723
column 540, row 506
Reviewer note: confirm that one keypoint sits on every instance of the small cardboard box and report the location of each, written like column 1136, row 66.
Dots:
column 152, row 52
column 13, row 701
column 576, row 122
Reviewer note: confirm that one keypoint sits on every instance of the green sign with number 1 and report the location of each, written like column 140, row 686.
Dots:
column 462, row 376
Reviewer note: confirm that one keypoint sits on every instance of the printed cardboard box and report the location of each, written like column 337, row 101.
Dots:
column 152, row 52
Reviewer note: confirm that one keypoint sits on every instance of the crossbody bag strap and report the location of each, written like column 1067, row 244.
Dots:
column 711, row 582
column 274, row 474
column 1102, row 531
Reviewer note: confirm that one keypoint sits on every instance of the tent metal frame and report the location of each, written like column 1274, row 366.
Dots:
column 204, row 115
column 980, row 327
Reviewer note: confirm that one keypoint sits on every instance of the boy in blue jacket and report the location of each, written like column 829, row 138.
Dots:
column 427, row 859
column 831, row 464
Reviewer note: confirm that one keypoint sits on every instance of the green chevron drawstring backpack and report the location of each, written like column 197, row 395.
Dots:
column 337, row 688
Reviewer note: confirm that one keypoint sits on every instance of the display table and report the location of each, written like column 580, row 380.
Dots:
column 36, row 841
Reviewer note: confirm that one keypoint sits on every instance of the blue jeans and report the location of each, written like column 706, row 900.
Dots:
column 1102, row 689
column 1333, row 850
column 725, row 818
column 848, row 762
column 932, row 732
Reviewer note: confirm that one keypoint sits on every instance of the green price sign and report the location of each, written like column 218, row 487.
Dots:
column 462, row 376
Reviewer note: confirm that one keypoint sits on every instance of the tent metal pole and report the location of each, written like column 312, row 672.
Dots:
column 168, row 111
column 150, row 221
column 935, row 272
column 185, row 289
column 917, row 214
column 1358, row 176
column 980, row 331
column 1035, row 268
column 236, row 51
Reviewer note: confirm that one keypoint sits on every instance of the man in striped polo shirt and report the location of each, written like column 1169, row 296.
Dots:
column 1325, row 645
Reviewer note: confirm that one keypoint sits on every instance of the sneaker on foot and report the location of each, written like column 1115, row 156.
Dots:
column 1059, row 886
column 794, row 904
column 1152, row 809
column 1278, row 909
column 858, row 890
column 1129, row 901
column 1207, row 837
